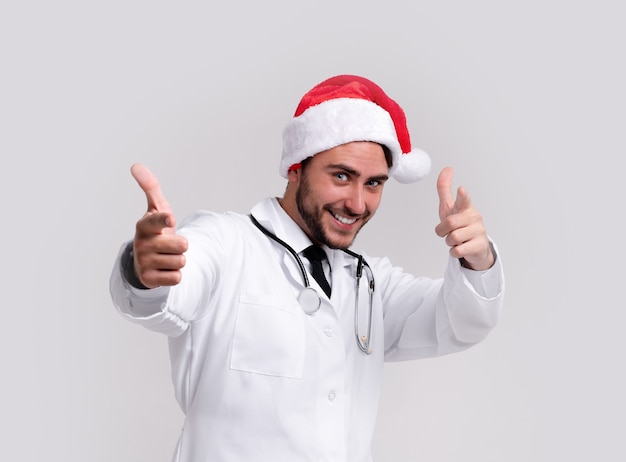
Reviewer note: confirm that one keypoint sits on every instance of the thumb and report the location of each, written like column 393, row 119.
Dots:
column 149, row 184
column 444, row 190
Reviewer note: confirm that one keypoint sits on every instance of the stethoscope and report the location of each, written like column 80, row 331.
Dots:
column 310, row 300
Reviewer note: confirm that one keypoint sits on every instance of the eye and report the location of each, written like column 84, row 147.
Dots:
column 375, row 183
column 341, row 176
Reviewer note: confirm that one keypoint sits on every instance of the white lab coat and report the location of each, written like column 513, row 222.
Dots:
column 257, row 378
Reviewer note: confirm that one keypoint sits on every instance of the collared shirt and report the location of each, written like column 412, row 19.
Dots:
column 260, row 380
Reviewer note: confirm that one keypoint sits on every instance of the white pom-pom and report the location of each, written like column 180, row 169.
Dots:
column 412, row 166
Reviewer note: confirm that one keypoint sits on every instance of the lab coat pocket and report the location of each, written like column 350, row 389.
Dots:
column 269, row 336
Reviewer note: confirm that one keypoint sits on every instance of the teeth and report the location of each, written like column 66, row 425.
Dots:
column 344, row 220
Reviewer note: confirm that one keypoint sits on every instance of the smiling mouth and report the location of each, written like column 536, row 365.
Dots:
column 343, row 220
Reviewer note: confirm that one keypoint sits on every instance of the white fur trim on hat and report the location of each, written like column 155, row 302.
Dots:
column 333, row 123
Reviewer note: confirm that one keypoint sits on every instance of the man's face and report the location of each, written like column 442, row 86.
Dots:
column 339, row 190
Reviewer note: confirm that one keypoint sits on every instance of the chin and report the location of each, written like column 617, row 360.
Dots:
column 339, row 242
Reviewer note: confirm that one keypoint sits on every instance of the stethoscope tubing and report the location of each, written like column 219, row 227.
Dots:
column 274, row 237
column 362, row 342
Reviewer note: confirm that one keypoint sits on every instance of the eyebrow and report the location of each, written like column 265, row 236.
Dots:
column 353, row 172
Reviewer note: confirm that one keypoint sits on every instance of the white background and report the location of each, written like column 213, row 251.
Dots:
column 525, row 99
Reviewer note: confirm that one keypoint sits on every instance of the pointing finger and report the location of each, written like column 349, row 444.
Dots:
column 156, row 223
column 149, row 183
column 463, row 201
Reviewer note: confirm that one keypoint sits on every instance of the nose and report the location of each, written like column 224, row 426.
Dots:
column 355, row 202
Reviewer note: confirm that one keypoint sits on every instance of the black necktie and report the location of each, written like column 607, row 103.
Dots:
column 315, row 254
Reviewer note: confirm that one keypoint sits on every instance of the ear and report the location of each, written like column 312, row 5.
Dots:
column 293, row 175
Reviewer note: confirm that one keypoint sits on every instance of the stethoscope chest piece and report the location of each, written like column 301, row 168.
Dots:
column 309, row 300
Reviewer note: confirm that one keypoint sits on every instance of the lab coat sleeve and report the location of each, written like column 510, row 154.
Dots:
column 170, row 310
column 432, row 317
column 145, row 307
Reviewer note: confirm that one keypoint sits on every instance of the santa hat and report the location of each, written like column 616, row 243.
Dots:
column 348, row 108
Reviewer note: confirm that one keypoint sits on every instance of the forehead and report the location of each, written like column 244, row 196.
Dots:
column 362, row 156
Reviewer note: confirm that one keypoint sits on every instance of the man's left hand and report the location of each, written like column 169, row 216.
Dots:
column 462, row 225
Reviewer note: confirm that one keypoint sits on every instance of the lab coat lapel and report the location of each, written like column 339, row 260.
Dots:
column 271, row 216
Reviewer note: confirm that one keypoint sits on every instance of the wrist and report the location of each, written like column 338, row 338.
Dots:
column 128, row 268
column 481, row 264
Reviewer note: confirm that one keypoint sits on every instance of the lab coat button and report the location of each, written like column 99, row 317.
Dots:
column 331, row 396
column 329, row 332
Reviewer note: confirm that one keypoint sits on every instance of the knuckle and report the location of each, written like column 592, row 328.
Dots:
column 156, row 278
column 141, row 226
column 176, row 277
column 184, row 244
column 451, row 222
column 148, row 278
column 151, row 222
column 179, row 244
column 455, row 237
column 457, row 252
column 170, row 278
column 477, row 217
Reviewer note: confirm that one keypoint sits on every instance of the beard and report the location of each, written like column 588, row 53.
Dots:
column 312, row 215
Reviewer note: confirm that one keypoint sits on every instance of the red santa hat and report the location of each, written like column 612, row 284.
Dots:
column 348, row 108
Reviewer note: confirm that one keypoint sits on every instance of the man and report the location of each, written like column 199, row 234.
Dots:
column 269, row 364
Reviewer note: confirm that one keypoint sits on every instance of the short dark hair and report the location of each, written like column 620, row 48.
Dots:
column 388, row 156
column 386, row 150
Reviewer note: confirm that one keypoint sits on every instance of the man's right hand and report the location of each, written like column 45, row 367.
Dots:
column 158, row 251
